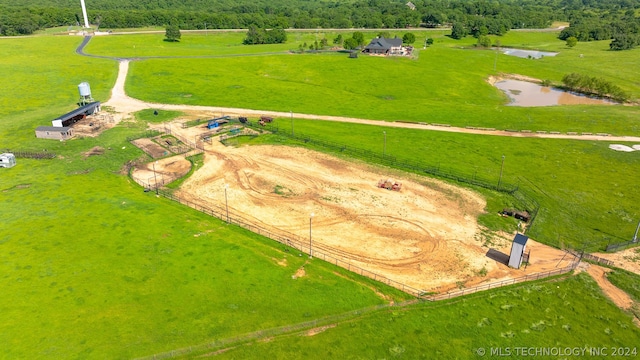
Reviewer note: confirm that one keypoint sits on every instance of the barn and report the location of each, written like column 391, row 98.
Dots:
column 517, row 250
column 76, row 115
column 7, row 160
column 54, row 132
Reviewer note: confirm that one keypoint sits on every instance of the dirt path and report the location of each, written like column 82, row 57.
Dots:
column 125, row 105
column 628, row 259
column 619, row 297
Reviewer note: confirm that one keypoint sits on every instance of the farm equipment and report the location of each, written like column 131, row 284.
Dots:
column 389, row 184
column 265, row 119
column 520, row 215
column 214, row 123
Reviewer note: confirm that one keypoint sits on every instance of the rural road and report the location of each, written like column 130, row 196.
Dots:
column 126, row 105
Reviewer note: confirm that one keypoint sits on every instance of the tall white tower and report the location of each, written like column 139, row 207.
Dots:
column 84, row 13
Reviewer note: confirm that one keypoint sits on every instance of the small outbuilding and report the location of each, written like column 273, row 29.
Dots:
column 517, row 250
column 54, row 132
column 7, row 160
column 76, row 115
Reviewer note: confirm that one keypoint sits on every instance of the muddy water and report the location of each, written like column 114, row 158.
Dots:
column 523, row 93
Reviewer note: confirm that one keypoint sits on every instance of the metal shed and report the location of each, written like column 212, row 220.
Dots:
column 7, row 160
column 76, row 115
column 517, row 250
column 54, row 132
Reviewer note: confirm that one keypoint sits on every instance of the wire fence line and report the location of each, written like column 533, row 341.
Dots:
column 31, row 154
column 288, row 239
column 221, row 343
column 624, row 245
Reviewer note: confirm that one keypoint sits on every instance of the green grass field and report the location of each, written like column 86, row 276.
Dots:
column 587, row 191
column 559, row 314
column 430, row 89
column 93, row 267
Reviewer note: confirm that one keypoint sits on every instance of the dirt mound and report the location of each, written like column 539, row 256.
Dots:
column 161, row 172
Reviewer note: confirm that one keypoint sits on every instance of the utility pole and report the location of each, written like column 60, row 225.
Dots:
column 226, row 200
column 310, row 248
column 155, row 178
column 635, row 236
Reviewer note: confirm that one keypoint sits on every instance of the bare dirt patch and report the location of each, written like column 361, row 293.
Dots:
column 318, row 330
column 299, row 273
column 150, row 147
column 423, row 236
column 628, row 259
column 96, row 150
column 94, row 125
column 161, row 172
column 619, row 297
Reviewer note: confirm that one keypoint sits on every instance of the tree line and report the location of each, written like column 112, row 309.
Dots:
column 593, row 86
column 469, row 17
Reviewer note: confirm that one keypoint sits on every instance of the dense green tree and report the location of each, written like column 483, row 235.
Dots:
column 484, row 41
column 623, row 42
column 350, row 43
column 172, row 33
column 358, row 37
column 338, row 40
column 429, row 41
column 408, row 38
column 572, row 41
column 458, row 31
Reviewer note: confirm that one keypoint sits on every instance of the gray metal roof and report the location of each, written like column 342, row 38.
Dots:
column 384, row 43
column 53, row 128
column 520, row 239
column 81, row 110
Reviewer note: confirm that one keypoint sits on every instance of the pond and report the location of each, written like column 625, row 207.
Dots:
column 527, row 54
column 524, row 93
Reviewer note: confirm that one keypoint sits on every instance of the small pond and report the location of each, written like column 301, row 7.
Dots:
column 523, row 93
column 527, row 54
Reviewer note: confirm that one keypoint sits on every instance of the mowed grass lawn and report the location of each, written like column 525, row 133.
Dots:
column 446, row 84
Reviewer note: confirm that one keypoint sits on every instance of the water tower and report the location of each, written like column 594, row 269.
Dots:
column 85, row 94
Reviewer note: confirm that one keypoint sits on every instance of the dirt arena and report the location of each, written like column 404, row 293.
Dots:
column 162, row 171
column 425, row 236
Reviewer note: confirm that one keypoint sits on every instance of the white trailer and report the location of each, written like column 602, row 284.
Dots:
column 7, row 160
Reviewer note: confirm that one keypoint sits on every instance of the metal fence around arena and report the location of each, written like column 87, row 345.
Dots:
column 523, row 197
column 621, row 246
column 323, row 252
column 497, row 284
column 288, row 239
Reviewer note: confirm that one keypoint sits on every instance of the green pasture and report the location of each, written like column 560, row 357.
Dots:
column 586, row 190
column 93, row 267
column 445, row 84
column 40, row 77
column 626, row 280
column 567, row 313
